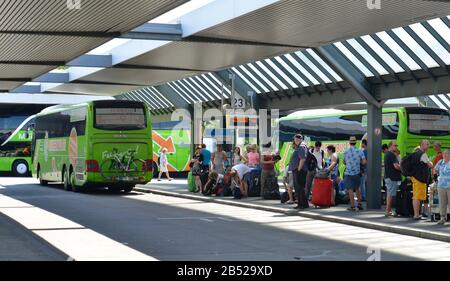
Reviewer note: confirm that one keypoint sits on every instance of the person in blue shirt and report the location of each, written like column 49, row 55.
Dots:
column 443, row 184
column 353, row 159
column 206, row 155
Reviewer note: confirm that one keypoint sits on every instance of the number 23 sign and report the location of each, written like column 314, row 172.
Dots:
column 239, row 102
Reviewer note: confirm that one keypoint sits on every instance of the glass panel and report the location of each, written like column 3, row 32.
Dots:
column 415, row 47
column 262, row 76
column 181, row 93
column 158, row 97
column 143, row 96
column 216, row 89
column 398, row 50
column 281, row 73
column 256, row 79
column 353, row 59
column 429, row 39
column 292, row 72
column 208, row 94
column 162, row 96
column 441, row 28
column 201, row 80
column 194, row 82
column 313, row 67
column 189, row 92
column 428, row 123
column 382, row 53
column 246, row 80
column 302, row 69
column 324, row 65
column 368, row 57
column 220, row 83
column 273, row 76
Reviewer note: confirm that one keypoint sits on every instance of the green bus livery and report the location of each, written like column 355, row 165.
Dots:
column 176, row 137
column 15, row 144
column 408, row 126
column 94, row 144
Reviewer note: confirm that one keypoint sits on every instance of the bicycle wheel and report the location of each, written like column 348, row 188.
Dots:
column 110, row 169
column 136, row 168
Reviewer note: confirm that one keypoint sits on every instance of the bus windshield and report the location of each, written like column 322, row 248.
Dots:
column 428, row 122
column 109, row 116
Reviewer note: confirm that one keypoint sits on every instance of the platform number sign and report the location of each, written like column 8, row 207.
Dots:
column 239, row 102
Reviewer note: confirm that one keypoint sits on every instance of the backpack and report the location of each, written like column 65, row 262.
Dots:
column 409, row 163
column 311, row 161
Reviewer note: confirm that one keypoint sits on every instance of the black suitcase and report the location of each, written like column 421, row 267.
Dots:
column 403, row 200
column 254, row 183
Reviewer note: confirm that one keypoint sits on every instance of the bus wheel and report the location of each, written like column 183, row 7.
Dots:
column 41, row 181
column 20, row 168
column 67, row 183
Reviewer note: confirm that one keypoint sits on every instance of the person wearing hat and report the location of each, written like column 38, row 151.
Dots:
column 353, row 158
column 299, row 170
column 163, row 162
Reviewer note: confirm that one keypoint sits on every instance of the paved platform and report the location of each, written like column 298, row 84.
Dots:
column 372, row 219
column 19, row 244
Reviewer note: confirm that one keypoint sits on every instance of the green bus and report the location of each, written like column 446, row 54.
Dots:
column 95, row 144
column 15, row 144
column 176, row 137
column 408, row 126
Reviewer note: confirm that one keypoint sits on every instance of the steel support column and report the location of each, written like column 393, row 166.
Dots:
column 375, row 136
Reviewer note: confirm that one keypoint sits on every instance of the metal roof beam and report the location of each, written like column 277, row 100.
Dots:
column 27, row 89
column 53, row 78
column 92, row 61
column 155, row 31
column 331, row 55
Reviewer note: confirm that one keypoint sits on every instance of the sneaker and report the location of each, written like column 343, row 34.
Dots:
column 441, row 222
column 388, row 214
column 351, row 209
column 360, row 207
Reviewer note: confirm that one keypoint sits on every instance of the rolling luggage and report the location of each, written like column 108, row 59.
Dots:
column 433, row 200
column 272, row 191
column 322, row 192
column 403, row 200
column 254, row 182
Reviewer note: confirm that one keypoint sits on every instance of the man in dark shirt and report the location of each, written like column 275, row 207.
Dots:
column 393, row 176
column 299, row 169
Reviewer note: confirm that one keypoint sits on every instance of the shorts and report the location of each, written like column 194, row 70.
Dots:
column 391, row 187
column 352, row 182
column 289, row 179
column 419, row 189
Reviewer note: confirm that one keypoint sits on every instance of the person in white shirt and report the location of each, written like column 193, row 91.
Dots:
column 163, row 163
column 238, row 173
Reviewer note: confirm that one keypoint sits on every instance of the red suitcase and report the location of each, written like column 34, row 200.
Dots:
column 322, row 191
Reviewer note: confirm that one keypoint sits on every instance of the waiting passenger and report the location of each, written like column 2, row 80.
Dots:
column 288, row 182
column 196, row 169
column 353, row 158
column 332, row 164
column 443, row 171
column 218, row 159
column 237, row 157
column 206, row 155
column 268, row 167
column 421, row 177
column 238, row 174
column 253, row 157
column 393, row 176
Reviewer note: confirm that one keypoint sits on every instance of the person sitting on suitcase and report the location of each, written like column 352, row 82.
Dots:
column 443, row 171
column 353, row 158
column 238, row 174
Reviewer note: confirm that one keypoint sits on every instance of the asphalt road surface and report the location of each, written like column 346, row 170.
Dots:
column 112, row 226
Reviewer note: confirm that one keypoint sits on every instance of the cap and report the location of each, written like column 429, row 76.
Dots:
column 353, row 140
